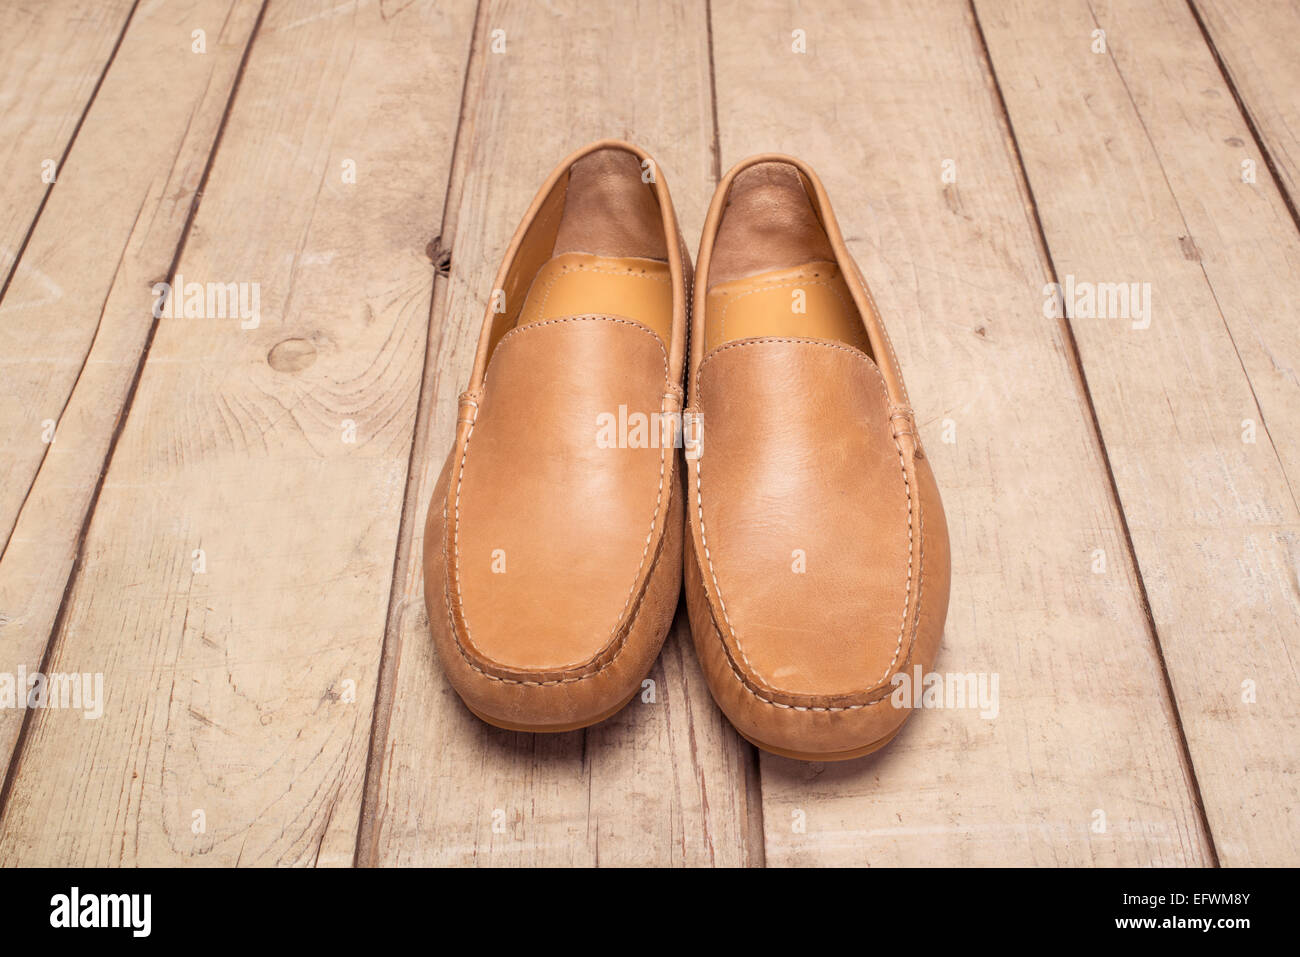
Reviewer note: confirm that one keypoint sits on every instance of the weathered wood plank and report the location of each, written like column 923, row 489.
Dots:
column 661, row 783
column 1134, row 157
column 52, row 56
column 1084, row 726
column 235, row 576
column 1257, row 45
column 75, row 320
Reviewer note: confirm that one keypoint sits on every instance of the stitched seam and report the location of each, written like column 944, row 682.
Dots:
column 615, row 638
column 797, row 340
column 585, row 317
column 909, row 421
column 907, row 595
column 779, row 704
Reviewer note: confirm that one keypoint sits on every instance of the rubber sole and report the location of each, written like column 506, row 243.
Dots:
column 554, row 728
column 848, row 755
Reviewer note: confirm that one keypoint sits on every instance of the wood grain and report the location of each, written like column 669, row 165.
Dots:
column 1257, row 45
column 75, row 321
column 661, row 783
column 1084, row 726
column 52, row 56
column 1134, row 156
column 240, row 682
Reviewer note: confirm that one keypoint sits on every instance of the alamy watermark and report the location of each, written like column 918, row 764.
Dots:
column 209, row 300
column 946, row 691
column 64, row 691
column 1098, row 300
column 76, row 909
column 651, row 430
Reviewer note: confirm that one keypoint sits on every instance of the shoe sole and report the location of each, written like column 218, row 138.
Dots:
column 848, row 755
column 553, row 728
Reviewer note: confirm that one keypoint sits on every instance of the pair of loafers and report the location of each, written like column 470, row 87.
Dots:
column 788, row 488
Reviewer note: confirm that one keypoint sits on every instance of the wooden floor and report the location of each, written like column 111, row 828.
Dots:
column 227, row 523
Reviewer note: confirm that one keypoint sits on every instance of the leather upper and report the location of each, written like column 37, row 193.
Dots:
column 552, row 555
column 816, row 562
column 551, row 534
column 811, row 583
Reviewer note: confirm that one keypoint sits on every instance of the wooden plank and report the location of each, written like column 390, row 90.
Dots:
column 1256, row 44
column 235, row 576
column 52, row 56
column 1134, row 156
column 661, row 783
column 75, row 320
column 1084, row 726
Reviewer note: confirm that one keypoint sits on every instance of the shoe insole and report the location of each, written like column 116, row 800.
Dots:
column 809, row 301
column 573, row 284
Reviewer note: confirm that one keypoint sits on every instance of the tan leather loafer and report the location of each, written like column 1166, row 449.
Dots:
column 817, row 558
column 552, row 548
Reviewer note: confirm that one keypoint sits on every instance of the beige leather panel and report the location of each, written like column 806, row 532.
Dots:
column 810, row 301
column 581, row 283
column 807, row 516
column 553, row 533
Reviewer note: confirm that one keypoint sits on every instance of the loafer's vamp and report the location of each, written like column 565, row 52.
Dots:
column 554, row 510
column 807, row 518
